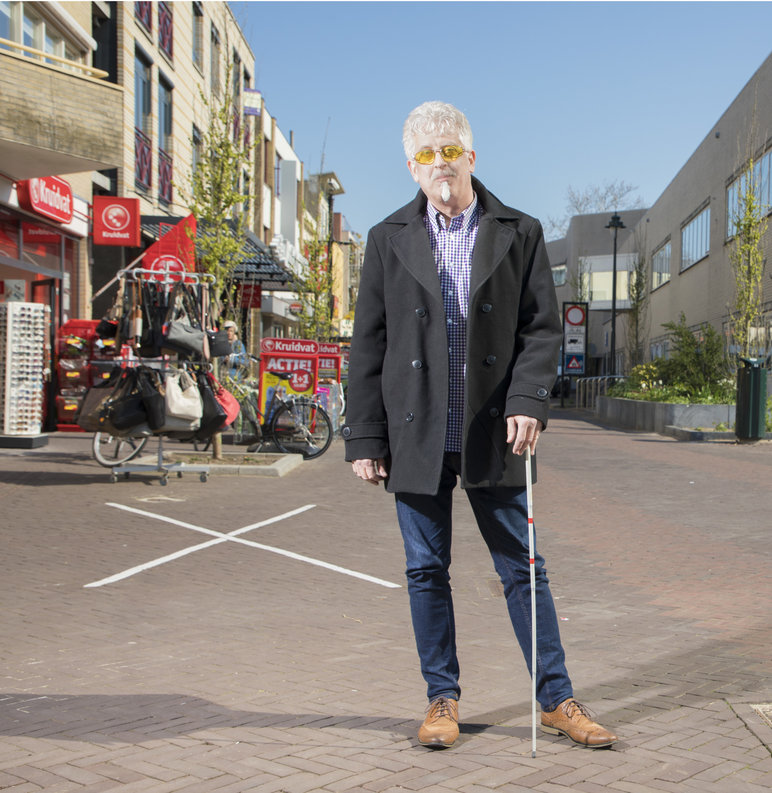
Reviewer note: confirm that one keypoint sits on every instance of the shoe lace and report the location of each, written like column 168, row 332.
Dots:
column 572, row 707
column 439, row 707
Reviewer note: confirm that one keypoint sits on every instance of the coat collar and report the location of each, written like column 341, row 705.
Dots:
column 494, row 237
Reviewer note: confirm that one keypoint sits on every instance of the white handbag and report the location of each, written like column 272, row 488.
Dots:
column 183, row 399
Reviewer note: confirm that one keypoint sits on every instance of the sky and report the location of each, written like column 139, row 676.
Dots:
column 558, row 94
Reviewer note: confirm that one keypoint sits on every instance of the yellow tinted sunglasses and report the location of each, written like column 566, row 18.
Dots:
column 448, row 153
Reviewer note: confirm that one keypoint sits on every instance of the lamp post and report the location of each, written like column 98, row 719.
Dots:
column 615, row 223
column 332, row 188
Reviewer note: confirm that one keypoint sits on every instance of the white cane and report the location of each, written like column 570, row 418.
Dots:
column 532, row 565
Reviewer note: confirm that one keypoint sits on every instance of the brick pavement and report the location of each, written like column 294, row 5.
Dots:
column 232, row 668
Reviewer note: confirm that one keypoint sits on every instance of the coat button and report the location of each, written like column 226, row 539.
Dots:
column 346, row 432
column 417, row 364
column 490, row 360
column 541, row 393
column 421, row 312
column 486, row 308
column 409, row 417
column 494, row 413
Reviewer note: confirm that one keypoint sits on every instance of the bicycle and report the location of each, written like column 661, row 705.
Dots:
column 111, row 450
column 295, row 424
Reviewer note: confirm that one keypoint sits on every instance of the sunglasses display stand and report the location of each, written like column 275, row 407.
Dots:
column 23, row 362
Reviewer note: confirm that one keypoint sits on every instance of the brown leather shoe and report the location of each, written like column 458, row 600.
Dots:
column 572, row 719
column 440, row 727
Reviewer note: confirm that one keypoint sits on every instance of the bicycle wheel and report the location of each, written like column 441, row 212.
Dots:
column 110, row 450
column 302, row 427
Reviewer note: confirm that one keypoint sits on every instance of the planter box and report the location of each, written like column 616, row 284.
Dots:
column 637, row 414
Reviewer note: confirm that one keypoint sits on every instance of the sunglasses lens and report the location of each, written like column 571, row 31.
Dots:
column 425, row 156
column 450, row 153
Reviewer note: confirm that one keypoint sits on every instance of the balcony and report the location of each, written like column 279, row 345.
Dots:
column 143, row 160
column 44, row 129
column 165, row 173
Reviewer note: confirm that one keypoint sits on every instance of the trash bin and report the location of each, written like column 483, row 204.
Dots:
column 751, row 410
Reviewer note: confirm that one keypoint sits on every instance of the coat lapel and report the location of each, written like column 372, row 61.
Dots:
column 494, row 239
column 412, row 246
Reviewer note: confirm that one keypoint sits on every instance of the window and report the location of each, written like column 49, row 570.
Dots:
column 142, row 92
column 198, row 36
column 143, row 11
column 660, row 266
column 143, row 152
column 277, row 176
column 695, row 239
column 164, row 115
column 214, row 62
column 762, row 187
column 166, row 29
column 560, row 275
column 196, row 141
column 32, row 29
column 6, row 31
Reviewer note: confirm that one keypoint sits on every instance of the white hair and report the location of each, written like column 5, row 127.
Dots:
column 435, row 118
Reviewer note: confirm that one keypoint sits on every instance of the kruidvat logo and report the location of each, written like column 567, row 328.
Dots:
column 48, row 196
column 297, row 346
column 115, row 217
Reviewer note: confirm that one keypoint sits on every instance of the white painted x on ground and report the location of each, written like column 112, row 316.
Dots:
column 233, row 536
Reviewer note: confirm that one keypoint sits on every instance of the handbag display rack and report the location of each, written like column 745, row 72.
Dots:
column 167, row 278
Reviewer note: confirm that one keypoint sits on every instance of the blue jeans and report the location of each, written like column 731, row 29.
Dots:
column 502, row 517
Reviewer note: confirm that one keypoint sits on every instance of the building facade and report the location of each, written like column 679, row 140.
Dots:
column 684, row 241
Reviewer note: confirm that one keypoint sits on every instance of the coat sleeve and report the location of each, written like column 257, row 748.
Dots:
column 538, row 335
column 366, row 432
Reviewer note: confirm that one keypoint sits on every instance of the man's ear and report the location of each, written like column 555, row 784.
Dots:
column 472, row 158
column 412, row 166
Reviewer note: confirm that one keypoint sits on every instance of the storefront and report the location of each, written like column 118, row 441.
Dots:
column 41, row 226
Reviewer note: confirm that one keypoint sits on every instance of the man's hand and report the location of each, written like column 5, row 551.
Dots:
column 372, row 471
column 523, row 432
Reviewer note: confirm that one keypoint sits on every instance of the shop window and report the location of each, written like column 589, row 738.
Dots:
column 9, row 236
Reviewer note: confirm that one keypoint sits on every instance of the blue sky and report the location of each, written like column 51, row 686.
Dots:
column 557, row 94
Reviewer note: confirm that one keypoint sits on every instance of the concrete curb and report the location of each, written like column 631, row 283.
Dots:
column 281, row 466
column 687, row 434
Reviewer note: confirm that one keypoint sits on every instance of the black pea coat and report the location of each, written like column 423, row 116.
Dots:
column 398, row 373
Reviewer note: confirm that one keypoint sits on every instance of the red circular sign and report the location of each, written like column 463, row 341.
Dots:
column 575, row 315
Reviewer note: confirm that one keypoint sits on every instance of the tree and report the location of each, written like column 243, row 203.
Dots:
column 638, row 285
column 747, row 257
column 314, row 289
column 609, row 197
column 216, row 199
column 580, row 281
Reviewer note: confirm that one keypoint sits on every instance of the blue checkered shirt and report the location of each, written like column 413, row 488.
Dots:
column 452, row 246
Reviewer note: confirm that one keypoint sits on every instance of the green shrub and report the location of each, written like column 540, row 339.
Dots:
column 696, row 372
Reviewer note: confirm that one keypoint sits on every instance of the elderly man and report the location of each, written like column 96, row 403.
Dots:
column 455, row 349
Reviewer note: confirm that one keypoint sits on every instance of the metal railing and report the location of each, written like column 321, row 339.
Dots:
column 588, row 389
column 54, row 60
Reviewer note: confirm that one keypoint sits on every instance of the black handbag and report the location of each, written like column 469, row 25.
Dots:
column 126, row 408
column 151, row 389
column 213, row 414
column 182, row 330
column 219, row 344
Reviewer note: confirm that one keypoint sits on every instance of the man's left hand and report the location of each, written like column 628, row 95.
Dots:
column 523, row 432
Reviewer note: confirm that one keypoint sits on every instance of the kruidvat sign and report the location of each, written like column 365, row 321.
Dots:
column 116, row 221
column 290, row 346
column 48, row 196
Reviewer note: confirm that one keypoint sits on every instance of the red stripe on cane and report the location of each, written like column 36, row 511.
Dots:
column 533, row 560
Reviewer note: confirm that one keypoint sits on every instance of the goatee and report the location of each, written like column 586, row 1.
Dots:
column 445, row 193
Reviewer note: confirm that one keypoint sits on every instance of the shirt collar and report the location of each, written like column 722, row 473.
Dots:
column 468, row 216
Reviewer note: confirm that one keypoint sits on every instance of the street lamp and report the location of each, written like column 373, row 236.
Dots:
column 615, row 223
column 332, row 188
